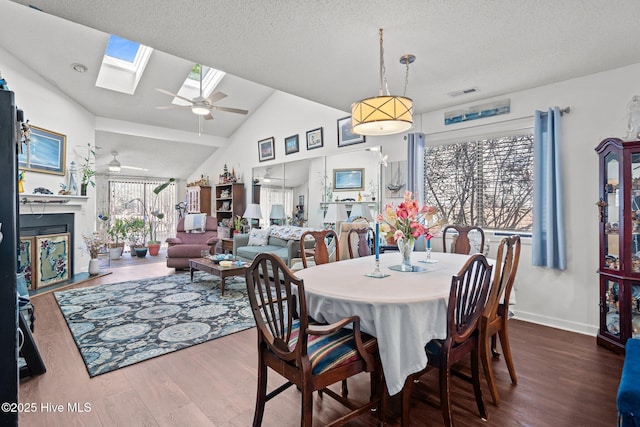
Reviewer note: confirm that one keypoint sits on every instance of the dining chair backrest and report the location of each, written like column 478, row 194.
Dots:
column 274, row 304
column 361, row 242
column 326, row 248
column 504, row 274
column 462, row 241
column 467, row 299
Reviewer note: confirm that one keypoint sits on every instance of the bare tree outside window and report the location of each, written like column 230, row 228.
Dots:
column 488, row 183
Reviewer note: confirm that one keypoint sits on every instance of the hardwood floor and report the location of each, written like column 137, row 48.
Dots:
column 564, row 379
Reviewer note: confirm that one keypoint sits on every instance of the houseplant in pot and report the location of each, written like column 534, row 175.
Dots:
column 136, row 235
column 117, row 234
column 88, row 170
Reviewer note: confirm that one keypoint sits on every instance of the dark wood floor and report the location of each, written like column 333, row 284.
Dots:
column 564, row 380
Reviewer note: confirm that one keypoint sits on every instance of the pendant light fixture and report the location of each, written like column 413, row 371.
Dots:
column 384, row 114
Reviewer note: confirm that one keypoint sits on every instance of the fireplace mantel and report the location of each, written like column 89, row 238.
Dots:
column 50, row 203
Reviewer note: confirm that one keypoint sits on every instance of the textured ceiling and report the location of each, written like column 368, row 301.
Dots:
column 327, row 51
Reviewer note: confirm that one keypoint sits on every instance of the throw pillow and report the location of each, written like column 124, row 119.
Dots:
column 258, row 237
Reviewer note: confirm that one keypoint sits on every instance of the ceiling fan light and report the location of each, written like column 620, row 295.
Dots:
column 114, row 164
column 199, row 110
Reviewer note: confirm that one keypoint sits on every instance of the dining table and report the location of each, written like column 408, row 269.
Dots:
column 403, row 310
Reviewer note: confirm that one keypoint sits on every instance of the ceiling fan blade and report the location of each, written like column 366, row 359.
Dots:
column 166, row 92
column 207, row 117
column 171, row 107
column 230, row 110
column 216, row 96
column 133, row 168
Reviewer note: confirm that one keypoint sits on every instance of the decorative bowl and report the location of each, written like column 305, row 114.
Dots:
column 226, row 263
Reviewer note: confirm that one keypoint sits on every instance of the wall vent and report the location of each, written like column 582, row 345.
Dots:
column 464, row 92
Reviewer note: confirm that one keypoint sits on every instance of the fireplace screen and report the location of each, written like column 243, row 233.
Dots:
column 52, row 259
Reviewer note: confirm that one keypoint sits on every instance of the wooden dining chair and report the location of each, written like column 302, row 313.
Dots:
column 325, row 248
column 360, row 242
column 308, row 355
column 495, row 318
column 461, row 242
column 467, row 300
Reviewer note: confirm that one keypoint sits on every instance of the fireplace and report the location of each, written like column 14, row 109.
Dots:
column 46, row 248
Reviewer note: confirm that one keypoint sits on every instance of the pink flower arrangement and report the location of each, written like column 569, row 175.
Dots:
column 408, row 220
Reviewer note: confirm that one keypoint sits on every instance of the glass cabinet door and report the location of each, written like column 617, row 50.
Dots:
column 635, row 212
column 611, row 211
column 612, row 307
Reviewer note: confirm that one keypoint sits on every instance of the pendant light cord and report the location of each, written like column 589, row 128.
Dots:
column 383, row 77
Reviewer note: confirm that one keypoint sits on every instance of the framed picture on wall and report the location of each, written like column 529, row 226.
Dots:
column 348, row 179
column 266, row 149
column 345, row 135
column 314, row 139
column 291, row 144
column 45, row 152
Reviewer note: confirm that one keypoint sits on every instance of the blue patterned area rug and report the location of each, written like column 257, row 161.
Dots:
column 117, row 325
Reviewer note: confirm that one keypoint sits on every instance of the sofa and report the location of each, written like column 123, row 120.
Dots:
column 282, row 241
column 190, row 243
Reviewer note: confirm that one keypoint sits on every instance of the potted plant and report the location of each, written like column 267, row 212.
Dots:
column 88, row 171
column 237, row 224
column 117, row 233
column 136, row 235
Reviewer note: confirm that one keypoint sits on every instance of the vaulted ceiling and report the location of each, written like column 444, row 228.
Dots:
column 325, row 51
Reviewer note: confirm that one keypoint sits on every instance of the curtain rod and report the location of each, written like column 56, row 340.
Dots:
column 563, row 111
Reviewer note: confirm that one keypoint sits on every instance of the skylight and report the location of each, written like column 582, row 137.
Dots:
column 123, row 49
column 191, row 87
column 122, row 66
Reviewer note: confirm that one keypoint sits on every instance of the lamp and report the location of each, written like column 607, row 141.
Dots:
column 384, row 114
column 335, row 213
column 199, row 110
column 114, row 165
column 252, row 212
column 361, row 210
column 277, row 213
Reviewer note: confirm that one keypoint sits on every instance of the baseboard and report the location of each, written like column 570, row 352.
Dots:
column 581, row 328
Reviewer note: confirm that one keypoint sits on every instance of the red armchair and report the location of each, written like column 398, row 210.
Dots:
column 189, row 245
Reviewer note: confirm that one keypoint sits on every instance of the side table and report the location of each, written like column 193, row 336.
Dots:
column 227, row 245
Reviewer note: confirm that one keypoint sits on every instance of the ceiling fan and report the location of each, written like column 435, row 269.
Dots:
column 200, row 105
column 115, row 166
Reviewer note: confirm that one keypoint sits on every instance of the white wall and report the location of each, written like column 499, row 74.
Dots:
column 567, row 299
column 47, row 107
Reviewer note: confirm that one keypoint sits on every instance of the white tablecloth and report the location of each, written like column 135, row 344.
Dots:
column 403, row 311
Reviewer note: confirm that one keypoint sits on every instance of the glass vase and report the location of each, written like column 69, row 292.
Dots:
column 405, row 245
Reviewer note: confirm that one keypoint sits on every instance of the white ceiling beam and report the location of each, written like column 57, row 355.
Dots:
column 105, row 124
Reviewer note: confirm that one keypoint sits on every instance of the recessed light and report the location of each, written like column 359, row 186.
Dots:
column 80, row 68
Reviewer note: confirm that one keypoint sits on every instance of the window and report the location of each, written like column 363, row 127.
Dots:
column 122, row 65
column 130, row 198
column 486, row 182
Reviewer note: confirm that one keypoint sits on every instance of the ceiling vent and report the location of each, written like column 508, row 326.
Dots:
column 464, row 92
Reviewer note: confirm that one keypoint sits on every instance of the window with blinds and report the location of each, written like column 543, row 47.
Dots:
column 130, row 198
column 487, row 182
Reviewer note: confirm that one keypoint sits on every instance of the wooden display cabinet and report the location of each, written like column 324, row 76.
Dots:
column 229, row 201
column 199, row 197
column 619, row 255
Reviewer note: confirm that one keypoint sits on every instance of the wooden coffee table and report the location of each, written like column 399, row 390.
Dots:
column 208, row 266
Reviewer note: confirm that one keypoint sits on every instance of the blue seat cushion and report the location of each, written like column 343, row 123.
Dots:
column 629, row 390
column 331, row 351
